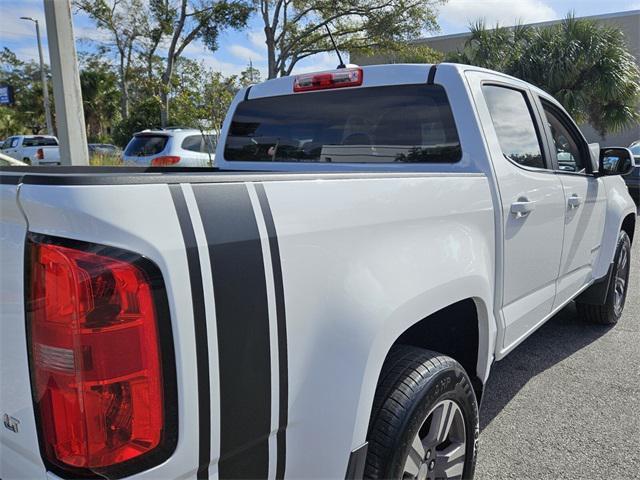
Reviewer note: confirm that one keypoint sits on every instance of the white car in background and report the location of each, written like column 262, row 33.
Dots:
column 174, row 147
column 33, row 149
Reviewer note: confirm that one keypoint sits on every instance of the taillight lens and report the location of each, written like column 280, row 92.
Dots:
column 344, row 77
column 165, row 161
column 96, row 362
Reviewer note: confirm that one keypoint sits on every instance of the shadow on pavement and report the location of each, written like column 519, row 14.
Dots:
column 559, row 338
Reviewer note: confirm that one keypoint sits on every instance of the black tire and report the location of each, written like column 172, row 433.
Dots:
column 413, row 381
column 610, row 312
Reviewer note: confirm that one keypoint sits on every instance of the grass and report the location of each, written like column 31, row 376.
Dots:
column 106, row 160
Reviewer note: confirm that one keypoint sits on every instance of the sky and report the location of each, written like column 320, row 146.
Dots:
column 237, row 48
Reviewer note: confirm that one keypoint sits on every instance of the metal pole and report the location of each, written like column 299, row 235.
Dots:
column 66, row 83
column 45, row 87
column 43, row 77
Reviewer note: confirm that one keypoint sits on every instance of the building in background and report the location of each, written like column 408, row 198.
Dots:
column 628, row 22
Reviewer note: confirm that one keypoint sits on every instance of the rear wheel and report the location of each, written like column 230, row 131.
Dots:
column 424, row 423
column 611, row 311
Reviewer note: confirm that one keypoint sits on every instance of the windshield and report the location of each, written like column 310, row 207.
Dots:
column 39, row 142
column 143, row 145
column 635, row 149
column 407, row 123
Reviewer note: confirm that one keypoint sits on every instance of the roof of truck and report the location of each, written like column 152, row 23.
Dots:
column 379, row 75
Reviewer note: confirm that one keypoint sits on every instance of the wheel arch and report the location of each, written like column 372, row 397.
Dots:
column 472, row 318
column 620, row 215
column 629, row 225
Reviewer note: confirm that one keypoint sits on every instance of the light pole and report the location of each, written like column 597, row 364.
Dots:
column 45, row 88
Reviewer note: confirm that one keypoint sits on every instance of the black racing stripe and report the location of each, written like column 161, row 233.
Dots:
column 200, row 324
column 242, row 318
column 283, row 373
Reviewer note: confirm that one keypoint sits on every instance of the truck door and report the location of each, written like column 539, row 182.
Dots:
column 532, row 202
column 585, row 201
column 10, row 147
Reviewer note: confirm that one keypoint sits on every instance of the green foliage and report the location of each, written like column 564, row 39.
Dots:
column 400, row 52
column 295, row 30
column 27, row 115
column 100, row 97
column 10, row 123
column 144, row 114
column 586, row 66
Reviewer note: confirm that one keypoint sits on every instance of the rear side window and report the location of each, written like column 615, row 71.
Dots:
column 143, row 145
column 39, row 142
column 393, row 124
column 199, row 143
column 514, row 125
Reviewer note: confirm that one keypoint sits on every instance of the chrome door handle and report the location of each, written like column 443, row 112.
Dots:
column 574, row 201
column 522, row 207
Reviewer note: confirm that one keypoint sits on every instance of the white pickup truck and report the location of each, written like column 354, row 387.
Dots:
column 327, row 303
column 42, row 150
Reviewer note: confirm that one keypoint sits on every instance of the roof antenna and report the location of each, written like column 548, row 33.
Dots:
column 335, row 47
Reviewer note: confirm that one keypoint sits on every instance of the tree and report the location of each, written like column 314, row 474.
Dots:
column 100, row 97
column 125, row 21
column 27, row 114
column 297, row 29
column 401, row 52
column 193, row 20
column 586, row 66
column 250, row 75
column 219, row 94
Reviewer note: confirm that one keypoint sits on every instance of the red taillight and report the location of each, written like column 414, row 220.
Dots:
column 345, row 77
column 40, row 154
column 96, row 363
column 165, row 160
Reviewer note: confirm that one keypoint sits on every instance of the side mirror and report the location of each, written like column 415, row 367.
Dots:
column 594, row 157
column 615, row 161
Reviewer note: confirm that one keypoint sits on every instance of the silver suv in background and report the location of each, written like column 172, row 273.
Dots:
column 174, row 147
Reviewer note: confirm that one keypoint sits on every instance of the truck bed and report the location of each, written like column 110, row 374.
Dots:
column 354, row 250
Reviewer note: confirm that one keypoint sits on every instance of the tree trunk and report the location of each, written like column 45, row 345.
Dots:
column 164, row 107
column 271, row 52
column 124, row 89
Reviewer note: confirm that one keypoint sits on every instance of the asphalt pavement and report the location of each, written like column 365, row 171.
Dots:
column 565, row 404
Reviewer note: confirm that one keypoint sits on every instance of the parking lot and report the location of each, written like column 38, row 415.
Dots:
column 566, row 403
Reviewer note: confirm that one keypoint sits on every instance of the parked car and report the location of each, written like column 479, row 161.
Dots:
column 176, row 147
column 327, row 303
column 33, row 149
column 7, row 161
column 633, row 179
column 103, row 149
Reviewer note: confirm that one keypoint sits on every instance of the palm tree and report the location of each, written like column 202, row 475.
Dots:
column 100, row 96
column 587, row 67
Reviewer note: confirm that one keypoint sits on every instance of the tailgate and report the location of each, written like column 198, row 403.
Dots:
column 138, row 220
column 19, row 456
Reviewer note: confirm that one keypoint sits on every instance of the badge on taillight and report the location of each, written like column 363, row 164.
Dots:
column 103, row 382
column 344, row 77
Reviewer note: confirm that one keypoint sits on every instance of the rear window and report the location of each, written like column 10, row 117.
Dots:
column 407, row 124
column 39, row 142
column 144, row 145
column 196, row 143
